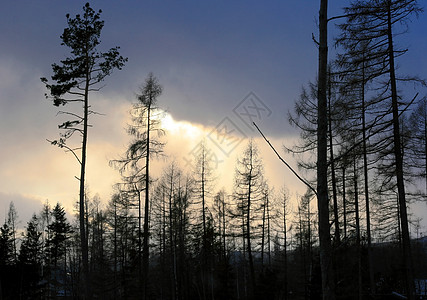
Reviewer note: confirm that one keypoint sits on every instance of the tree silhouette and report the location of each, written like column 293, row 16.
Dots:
column 248, row 192
column 328, row 287
column 135, row 166
column 59, row 233
column 30, row 259
column 6, row 245
column 12, row 220
column 203, row 182
column 374, row 25
column 31, row 246
column 74, row 79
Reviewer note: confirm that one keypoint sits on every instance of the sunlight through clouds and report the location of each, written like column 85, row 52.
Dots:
column 181, row 128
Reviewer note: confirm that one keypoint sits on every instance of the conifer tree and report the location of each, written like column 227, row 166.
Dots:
column 30, row 259
column 74, row 79
column 6, row 245
column 31, row 246
column 59, row 233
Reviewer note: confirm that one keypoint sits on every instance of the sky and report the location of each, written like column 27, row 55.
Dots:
column 213, row 58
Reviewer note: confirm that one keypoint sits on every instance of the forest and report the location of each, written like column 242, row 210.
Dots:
column 362, row 156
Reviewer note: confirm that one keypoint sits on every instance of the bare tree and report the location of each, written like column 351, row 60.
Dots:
column 12, row 221
column 328, row 288
column 248, row 191
column 203, row 184
column 376, row 22
column 135, row 165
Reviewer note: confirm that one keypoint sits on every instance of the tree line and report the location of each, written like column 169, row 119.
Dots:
column 363, row 134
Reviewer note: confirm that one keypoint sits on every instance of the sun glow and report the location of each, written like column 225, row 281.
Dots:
column 183, row 129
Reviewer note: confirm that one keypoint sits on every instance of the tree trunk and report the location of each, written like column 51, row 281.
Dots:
column 359, row 253
column 138, row 192
column 285, row 250
column 425, row 144
column 204, row 239
column 83, row 238
column 146, row 254
column 328, row 289
column 174, row 285
column 248, row 237
column 268, row 233
column 337, row 237
column 223, row 228
column 263, row 235
column 399, row 164
column 365, row 173
column 115, row 246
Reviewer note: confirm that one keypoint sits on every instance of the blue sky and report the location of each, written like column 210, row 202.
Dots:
column 208, row 55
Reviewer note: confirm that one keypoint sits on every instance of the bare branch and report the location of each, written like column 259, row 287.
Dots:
column 62, row 145
column 290, row 168
column 68, row 113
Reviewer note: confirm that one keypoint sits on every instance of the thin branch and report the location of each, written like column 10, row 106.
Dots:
column 92, row 112
column 314, row 39
column 290, row 168
column 347, row 15
column 76, row 93
column 342, row 16
column 66, row 147
column 68, row 113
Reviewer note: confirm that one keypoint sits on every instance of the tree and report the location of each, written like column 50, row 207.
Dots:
column 203, row 181
column 146, row 108
column 56, row 247
column 59, row 231
column 283, row 210
column 7, row 277
column 6, row 245
column 30, row 259
column 377, row 21
column 74, row 79
column 135, row 166
column 123, row 241
column 248, row 191
column 220, row 209
column 328, row 288
column 12, row 220
column 221, row 220
column 31, row 246
column 112, row 221
column 418, row 148
column 99, row 267
column 305, row 118
column 266, row 225
column 305, row 237
column 172, row 218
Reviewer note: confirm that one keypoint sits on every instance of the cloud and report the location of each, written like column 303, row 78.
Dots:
column 25, row 205
column 183, row 142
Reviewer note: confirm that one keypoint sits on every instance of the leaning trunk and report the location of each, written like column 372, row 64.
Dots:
column 399, row 164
